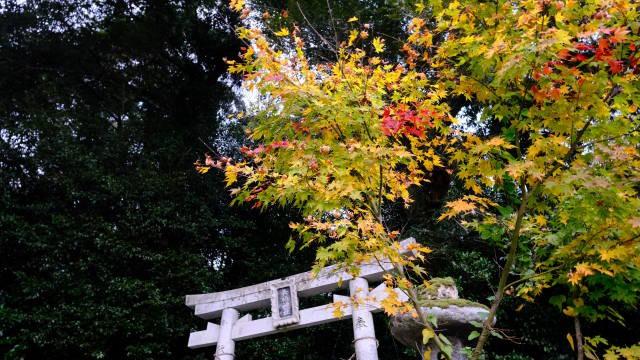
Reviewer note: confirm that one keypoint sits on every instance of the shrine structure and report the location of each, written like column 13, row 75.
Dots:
column 282, row 297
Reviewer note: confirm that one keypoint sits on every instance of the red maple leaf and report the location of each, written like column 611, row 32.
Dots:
column 618, row 35
column 581, row 57
column 584, row 47
column 564, row 54
column 603, row 51
column 390, row 126
column 538, row 95
column 615, row 66
column 417, row 132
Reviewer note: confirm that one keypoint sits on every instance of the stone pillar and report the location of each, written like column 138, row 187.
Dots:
column 364, row 334
column 225, row 350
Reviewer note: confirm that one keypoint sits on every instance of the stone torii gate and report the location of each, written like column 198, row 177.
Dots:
column 282, row 297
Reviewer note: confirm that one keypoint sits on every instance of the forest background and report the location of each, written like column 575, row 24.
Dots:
column 105, row 225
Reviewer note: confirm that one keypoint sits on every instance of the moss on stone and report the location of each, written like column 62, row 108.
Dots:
column 445, row 303
column 445, row 281
column 429, row 290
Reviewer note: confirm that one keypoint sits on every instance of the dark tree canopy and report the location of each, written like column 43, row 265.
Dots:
column 105, row 224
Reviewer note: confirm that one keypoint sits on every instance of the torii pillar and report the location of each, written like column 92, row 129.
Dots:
column 226, row 347
column 364, row 334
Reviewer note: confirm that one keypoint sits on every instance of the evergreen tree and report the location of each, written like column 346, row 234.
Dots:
column 105, row 224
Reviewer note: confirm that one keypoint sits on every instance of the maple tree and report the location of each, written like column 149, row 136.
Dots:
column 557, row 188
column 562, row 80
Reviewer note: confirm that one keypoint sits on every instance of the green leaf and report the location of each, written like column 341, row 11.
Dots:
column 505, row 211
column 433, row 320
column 290, row 245
column 444, row 339
column 509, row 134
column 557, row 301
column 446, row 348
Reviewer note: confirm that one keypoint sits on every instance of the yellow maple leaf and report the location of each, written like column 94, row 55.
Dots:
column 584, row 269
column 540, row 220
column 499, row 142
column 456, row 207
column 202, row 169
column 570, row 340
column 231, row 174
column 569, row 311
column 353, row 35
column 609, row 254
column 581, row 270
column 573, row 278
column 237, row 5
column 427, row 334
column 630, row 353
column 378, row 44
column 391, row 303
column 610, row 355
column 562, row 37
column 498, row 46
column 283, row 32
column 337, row 309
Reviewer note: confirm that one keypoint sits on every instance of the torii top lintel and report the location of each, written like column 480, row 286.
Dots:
column 209, row 306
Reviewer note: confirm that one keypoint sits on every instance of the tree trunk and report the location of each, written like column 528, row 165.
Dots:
column 579, row 340
column 504, row 275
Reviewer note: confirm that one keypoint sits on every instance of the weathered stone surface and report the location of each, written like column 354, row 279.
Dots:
column 454, row 320
column 440, row 298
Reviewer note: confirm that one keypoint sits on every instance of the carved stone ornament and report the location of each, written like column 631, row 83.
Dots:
column 284, row 303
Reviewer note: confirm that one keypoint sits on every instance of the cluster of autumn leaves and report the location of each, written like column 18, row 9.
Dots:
column 556, row 187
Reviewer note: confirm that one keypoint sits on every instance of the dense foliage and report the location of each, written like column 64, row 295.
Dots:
column 556, row 184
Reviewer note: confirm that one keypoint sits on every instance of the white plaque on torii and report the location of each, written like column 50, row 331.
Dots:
column 282, row 297
column 284, row 303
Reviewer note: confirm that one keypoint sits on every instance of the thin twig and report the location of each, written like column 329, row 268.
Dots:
column 332, row 48
column 333, row 25
column 532, row 276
